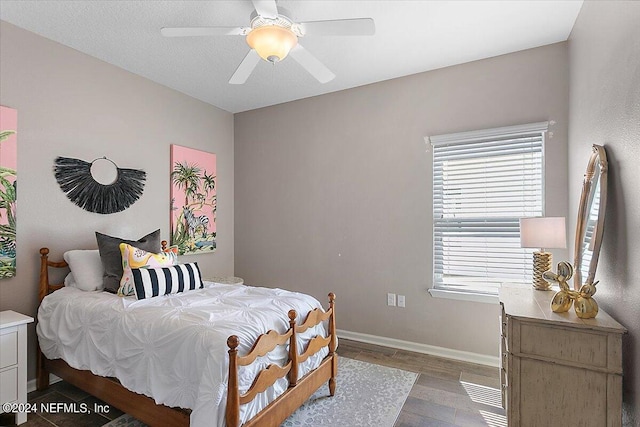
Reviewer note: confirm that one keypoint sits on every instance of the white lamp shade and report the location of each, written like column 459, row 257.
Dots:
column 272, row 42
column 544, row 232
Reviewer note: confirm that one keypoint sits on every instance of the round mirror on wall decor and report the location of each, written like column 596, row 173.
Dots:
column 99, row 186
column 590, row 221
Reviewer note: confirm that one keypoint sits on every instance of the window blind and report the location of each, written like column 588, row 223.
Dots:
column 483, row 183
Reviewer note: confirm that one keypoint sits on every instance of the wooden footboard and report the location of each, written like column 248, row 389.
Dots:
column 145, row 409
column 299, row 389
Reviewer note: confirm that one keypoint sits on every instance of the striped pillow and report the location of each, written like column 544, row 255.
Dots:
column 151, row 282
column 133, row 257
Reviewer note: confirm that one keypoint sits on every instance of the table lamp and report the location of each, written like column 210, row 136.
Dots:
column 543, row 233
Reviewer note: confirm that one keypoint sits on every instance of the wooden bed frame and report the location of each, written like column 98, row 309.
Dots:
column 146, row 410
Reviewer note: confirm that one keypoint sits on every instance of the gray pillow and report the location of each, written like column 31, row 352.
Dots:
column 111, row 257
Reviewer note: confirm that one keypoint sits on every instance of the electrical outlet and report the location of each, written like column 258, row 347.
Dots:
column 401, row 302
column 391, row 300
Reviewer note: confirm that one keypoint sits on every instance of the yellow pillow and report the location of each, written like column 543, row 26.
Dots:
column 133, row 257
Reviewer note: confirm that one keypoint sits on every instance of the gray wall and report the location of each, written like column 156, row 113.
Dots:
column 605, row 109
column 333, row 193
column 70, row 104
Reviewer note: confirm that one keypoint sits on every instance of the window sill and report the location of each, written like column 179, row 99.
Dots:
column 464, row 296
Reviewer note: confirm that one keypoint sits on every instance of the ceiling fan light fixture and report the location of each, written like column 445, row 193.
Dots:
column 272, row 42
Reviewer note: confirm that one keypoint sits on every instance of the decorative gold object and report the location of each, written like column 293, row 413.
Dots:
column 590, row 221
column 541, row 263
column 585, row 306
column 542, row 232
column 563, row 299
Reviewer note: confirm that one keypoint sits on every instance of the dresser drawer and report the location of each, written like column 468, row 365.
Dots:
column 9, row 385
column 8, row 349
column 568, row 345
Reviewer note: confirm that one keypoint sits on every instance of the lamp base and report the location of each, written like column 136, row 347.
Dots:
column 541, row 263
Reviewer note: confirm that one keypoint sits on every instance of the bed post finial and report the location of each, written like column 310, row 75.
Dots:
column 233, row 341
column 233, row 395
column 164, row 245
column 293, row 349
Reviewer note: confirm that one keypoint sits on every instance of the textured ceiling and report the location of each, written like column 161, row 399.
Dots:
column 411, row 37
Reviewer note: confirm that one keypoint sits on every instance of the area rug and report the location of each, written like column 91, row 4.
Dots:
column 367, row 395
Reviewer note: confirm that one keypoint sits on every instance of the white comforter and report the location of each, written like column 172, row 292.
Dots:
column 173, row 348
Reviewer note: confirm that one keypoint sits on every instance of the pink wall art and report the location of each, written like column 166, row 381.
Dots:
column 8, row 190
column 193, row 200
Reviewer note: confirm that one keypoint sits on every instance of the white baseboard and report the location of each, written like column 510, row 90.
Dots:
column 465, row 356
column 31, row 384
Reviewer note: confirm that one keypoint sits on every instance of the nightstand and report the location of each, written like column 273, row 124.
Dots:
column 226, row 280
column 13, row 359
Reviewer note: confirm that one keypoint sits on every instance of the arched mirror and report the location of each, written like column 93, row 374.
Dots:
column 590, row 224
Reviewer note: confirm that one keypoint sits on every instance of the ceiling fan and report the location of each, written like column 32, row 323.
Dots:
column 272, row 36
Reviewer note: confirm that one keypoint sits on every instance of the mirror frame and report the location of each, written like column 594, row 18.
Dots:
column 598, row 157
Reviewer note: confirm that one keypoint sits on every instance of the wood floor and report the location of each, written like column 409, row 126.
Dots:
column 446, row 393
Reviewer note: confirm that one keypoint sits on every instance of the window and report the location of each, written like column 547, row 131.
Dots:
column 483, row 183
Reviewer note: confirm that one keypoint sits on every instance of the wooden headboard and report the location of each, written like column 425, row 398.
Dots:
column 46, row 287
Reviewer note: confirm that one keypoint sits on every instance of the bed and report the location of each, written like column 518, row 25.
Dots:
column 222, row 355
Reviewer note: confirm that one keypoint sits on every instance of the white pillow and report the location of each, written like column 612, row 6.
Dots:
column 69, row 281
column 87, row 269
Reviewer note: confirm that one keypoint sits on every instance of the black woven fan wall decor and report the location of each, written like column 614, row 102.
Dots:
column 75, row 179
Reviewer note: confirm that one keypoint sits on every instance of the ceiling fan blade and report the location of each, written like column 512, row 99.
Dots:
column 245, row 68
column 339, row 27
column 316, row 68
column 203, row 31
column 266, row 8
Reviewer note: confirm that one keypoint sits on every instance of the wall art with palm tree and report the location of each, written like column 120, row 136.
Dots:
column 8, row 186
column 193, row 200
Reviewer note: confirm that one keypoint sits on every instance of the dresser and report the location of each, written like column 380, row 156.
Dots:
column 558, row 369
column 13, row 359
